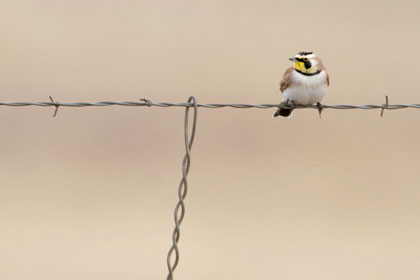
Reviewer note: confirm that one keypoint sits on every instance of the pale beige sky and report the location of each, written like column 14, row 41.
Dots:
column 89, row 195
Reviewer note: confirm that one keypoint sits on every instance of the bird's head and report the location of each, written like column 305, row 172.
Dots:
column 306, row 62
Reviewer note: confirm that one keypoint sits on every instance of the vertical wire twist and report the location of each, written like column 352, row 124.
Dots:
column 182, row 189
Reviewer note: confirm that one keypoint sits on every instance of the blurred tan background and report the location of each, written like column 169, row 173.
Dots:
column 90, row 194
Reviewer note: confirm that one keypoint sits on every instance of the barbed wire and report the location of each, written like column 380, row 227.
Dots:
column 145, row 102
column 179, row 211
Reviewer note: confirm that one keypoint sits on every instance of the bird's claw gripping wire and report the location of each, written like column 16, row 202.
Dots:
column 320, row 108
column 291, row 104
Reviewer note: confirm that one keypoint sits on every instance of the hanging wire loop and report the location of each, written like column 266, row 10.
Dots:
column 183, row 187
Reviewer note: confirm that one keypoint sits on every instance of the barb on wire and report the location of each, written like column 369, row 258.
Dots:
column 183, row 188
column 384, row 106
column 56, row 104
column 147, row 102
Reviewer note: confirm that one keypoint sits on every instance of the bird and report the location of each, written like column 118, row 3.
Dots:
column 305, row 83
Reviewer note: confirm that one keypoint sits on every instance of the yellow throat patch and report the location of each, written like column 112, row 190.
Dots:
column 300, row 66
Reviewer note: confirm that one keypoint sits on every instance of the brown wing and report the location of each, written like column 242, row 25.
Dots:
column 287, row 79
column 321, row 67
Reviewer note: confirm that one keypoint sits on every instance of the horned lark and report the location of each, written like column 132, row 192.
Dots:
column 304, row 84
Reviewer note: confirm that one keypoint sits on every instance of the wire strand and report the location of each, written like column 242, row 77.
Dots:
column 183, row 188
column 210, row 106
column 145, row 102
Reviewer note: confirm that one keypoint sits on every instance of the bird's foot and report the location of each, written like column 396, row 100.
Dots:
column 320, row 109
column 291, row 104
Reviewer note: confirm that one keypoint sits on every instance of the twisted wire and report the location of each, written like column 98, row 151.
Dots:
column 149, row 103
column 183, row 188
column 179, row 211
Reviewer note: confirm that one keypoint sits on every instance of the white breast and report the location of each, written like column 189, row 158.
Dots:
column 306, row 90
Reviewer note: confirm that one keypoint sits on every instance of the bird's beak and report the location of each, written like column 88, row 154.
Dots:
column 293, row 59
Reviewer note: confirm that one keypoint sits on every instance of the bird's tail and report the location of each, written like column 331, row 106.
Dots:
column 284, row 112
